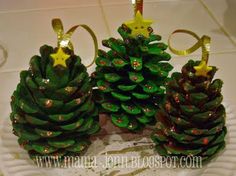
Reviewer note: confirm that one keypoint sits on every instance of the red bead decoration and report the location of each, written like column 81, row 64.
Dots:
column 205, row 141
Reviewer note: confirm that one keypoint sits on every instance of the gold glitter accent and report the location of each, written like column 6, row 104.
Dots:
column 48, row 103
column 78, row 101
column 135, row 78
column 60, row 117
column 172, row 129
column 42, row 88
column 158, row 126
column 168, row 106
column 82, row 147
column 136, row 64
column 147, row 86
column 78, row 124
column 146, row 110
column 69, row 90
column 16, row 117
column 130, row 125
column 45, row 81
column 109, row 105
column 22, row 105
column 49, row 133
column 119, row 61
column 46, row 150
column 102, row 87
column 166, row 131
column 119, row 120
column 130, row 108
column 176, row 97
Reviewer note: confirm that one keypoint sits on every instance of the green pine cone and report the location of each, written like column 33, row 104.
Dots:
column 192, row 119
column 53, row 112
column 131, row 77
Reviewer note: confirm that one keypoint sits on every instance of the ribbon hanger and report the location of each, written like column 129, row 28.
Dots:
column 203, row 42
column 64, row 39
column 138, row 6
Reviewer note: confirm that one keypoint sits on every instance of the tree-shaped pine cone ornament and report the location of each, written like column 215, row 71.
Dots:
column 131, row 76
column 53, row 112
column 191, row 121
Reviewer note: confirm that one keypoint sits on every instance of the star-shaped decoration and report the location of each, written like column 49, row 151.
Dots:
column 202, row 69
column 139, row 26
column 60, row 58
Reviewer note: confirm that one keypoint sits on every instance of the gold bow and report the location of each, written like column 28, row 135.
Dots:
column 63, row 39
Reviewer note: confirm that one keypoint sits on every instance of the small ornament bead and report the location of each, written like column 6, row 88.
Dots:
column 119, row 120
column 205, row 141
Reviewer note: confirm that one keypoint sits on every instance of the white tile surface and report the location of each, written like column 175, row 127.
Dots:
column 23, row 33
column 171, row 15
column 225, row 13
column 22, row 5
column 8, row 82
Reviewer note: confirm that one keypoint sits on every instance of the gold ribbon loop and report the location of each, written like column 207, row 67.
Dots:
column 4, row 55
column 63, row 40
column 203, row 42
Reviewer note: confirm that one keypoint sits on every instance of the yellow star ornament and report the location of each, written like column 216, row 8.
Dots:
column 139, row 26
column 202, row 69
column 60, row 58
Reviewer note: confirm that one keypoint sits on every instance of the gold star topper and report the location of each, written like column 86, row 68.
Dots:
column 60, row 58
column 139, row 26
column 202, row 69
column 64, row 41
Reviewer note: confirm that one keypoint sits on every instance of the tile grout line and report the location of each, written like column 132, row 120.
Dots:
column 217, row 22
column 104, row 17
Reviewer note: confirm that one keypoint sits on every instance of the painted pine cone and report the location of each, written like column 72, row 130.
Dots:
column 52, row 108
column 130, row 78
column 192, row 119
